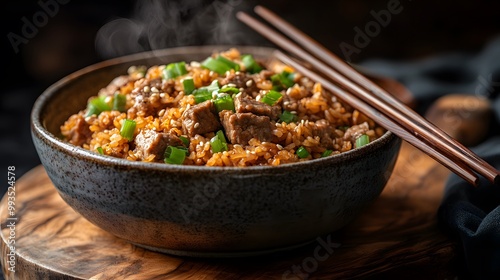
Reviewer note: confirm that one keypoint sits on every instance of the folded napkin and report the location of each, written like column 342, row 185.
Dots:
column 471, row 214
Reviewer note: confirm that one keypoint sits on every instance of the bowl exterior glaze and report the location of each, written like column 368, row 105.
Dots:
column 202, row 211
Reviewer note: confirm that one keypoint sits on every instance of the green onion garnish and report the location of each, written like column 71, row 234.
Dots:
column 218, row 142
column 302, row 152
column 224, row 102
column 128, row 129
column 202, row 95
column 119, row 102
column 173, row 70
column 97, row 105
column 205, row 93
column 251, row 65
column 283, row 80
column 231, row 90
column 220, row 64
column 100, row 150
column 184, row 140
column 271, row 98
column 188, row 85
column 174, row 155
column 230, row 63
column 288, row 117
column 362, row 140
column 326, row 153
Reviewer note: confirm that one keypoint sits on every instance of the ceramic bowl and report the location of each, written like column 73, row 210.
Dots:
column 202, row 211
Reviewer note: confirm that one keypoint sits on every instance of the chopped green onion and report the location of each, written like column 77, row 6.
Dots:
column 174, row 155
column 218, row 142
column 100, row 150
column 188, row 85
column 128, row 129
column 224, row 102
column 97, row 105
column 215, row 65
column 302, row 152
column 231, row 90
column 220, row 64
column 326, row 153
column 288, row 117
column 202, row 95
column 184, row 140
column 205, row 93
column 271, row 98
column 119, row 102
column 283, row 80
column 213, row 86
column 251, row 65
column 362, row 140
column 174, row 70
column 230, row 63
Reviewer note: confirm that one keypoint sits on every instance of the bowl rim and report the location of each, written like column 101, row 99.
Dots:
column 38, row 129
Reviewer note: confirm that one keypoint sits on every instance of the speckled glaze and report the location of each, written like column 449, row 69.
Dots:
column 202, row 211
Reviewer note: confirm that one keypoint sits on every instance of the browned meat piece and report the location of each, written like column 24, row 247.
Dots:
column 115, row 85
column 325, row 132
column 241, row 127
column 247, row 105
column 242, row 81
column 80, row 132
column 146, row 98
column 199, row 119
column 150, row 142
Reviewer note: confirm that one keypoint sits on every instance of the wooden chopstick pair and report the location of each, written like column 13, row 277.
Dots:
column 369, row 98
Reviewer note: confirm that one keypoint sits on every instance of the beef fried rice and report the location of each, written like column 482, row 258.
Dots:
column 228, row 110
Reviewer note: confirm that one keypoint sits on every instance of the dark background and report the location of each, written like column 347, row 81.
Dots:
column 74, row 37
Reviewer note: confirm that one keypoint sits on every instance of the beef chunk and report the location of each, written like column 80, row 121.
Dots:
column 242, row 81
column 80, row 133
column 199, row 119
column 115, row 85
column 325, row 132
column 150, row 142
column 144, row 104
column 247, row 105
column 241, row 127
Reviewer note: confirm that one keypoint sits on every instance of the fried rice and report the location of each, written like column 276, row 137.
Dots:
column 320, row 124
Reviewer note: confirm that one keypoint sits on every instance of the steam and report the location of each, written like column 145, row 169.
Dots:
column 157, row 24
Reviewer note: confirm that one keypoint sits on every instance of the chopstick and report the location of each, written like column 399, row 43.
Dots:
column 409, row 126
column 477, row 163
column 389, row 124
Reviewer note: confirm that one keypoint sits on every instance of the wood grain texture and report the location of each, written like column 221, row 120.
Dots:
column 397, row 236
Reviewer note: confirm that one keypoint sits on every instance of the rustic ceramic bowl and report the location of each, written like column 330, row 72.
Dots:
column 202, row 211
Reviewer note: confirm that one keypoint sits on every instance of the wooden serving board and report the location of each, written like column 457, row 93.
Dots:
column 395, row 237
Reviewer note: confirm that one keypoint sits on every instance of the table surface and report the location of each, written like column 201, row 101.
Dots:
column 396, row 236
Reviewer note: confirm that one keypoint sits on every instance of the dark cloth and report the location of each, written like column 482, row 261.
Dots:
column 470, row 214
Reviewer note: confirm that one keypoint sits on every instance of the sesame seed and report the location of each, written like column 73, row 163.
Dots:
column 146, row 89
column 154, row 89
column 162, row 95
column 231, row 85
column 249, row 83
column 196, row 125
